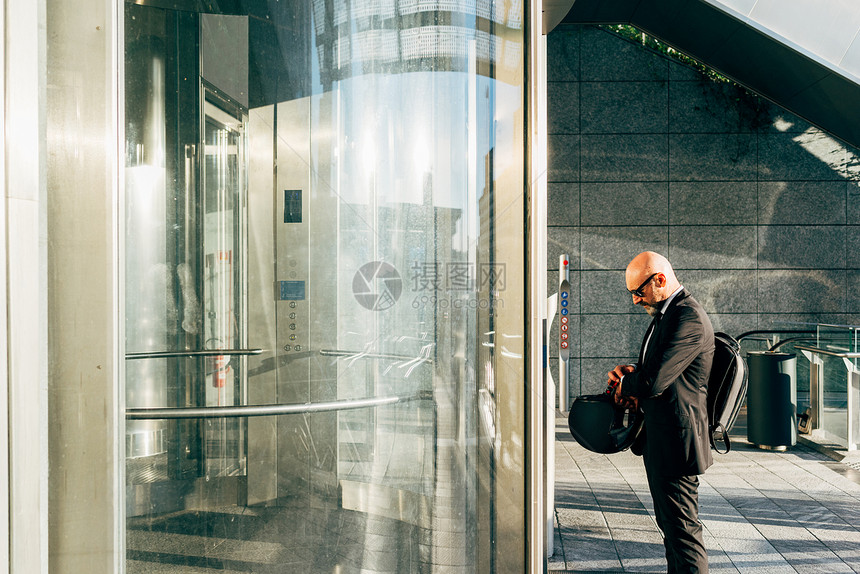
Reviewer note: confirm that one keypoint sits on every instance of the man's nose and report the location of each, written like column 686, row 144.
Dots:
column 636, row 299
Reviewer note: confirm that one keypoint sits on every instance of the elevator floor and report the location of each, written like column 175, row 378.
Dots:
column 269, row 540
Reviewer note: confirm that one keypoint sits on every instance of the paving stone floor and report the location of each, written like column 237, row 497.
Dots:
column 764, row 512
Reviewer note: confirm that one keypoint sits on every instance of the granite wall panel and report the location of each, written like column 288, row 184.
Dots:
column 758, row 210
column 853, row 295
column 852, row 239
column 783, row 121
column 634, row 157
column 704, row 106
column 802, row 202
column 605, row 292
column 613, row 335
column 735, row 324
column 610, row 247
column 853, row 210
column 712, row 246
column 563, row 113
column 563, row 158
column 624, row 107
column 604, row 59
column 625, row 203
column 721, row 290
column 808, row 291
column 802, row 246
column 680, row 72
column 563, row 240
column 808, row 156
column 712, row 157
column 562, row 55
column 563, row 203
column 712, row 203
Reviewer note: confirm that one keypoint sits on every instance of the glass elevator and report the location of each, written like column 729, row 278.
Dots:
column 324, row 330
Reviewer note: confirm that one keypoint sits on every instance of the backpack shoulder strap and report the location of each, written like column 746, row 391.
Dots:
column 726, row 440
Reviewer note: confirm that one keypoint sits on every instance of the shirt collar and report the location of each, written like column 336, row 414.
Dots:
column 669, row 300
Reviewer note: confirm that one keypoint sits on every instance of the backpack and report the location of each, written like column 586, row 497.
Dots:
column 600, row 426
column 727, row 389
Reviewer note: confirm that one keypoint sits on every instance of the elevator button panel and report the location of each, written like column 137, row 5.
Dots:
column 293, row 326
column 295, row 322
column 564, row 296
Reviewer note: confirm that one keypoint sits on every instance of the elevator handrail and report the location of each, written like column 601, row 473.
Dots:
column 842, row 355
column 749, row 334
column 268, row 410
column 199, row 353
column 363, row 355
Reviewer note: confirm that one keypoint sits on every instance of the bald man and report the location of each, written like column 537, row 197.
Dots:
column 669, row 384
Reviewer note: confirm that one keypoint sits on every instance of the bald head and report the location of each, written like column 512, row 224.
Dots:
column 654, row 275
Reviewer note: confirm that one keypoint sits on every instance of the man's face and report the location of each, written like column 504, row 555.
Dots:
column 647, row 293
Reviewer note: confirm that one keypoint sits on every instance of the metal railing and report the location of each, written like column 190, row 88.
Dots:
column 813, row 345
column 192, row 354
column 269, row 410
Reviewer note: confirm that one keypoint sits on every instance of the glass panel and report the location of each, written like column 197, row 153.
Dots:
column 834, row 416
column 224, row 283
column 835, row 410
column 341, row 186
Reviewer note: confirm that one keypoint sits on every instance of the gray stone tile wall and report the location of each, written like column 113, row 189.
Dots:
column 758, row 210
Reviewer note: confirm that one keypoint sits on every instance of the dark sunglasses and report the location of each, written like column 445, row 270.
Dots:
column 638, row 291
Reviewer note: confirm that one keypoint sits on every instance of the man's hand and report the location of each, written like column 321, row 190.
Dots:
column 615, row 381
column 618, row 372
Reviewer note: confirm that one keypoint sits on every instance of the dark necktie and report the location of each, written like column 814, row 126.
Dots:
column 651, row 328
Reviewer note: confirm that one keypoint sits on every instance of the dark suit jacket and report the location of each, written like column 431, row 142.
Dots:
column 670, row 382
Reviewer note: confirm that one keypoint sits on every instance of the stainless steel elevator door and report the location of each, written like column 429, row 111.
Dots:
column 185, row 246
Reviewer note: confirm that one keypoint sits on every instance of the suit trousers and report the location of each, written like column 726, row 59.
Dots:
column 676, row 506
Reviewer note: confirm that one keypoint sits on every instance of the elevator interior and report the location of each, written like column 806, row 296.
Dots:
column 286, row 404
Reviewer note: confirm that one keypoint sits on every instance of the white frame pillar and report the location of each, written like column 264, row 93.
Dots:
column 25, row 458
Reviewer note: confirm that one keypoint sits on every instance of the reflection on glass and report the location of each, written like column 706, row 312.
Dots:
column 223, row 279
column 341, row 185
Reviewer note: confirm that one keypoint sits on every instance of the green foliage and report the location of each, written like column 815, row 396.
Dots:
column 752, row 109
column 636, row 35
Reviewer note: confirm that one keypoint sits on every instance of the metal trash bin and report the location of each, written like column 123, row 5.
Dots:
column 772, row 399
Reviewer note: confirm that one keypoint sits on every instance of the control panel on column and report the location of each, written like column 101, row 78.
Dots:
column 564, row 301
column 291, row 272
column 564, row 306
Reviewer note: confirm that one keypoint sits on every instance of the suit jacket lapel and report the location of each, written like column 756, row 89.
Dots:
column 647, row 343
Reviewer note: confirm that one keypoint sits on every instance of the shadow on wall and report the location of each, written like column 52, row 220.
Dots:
column 758, row 211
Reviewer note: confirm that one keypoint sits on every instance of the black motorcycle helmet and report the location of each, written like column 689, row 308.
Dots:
column 601, row 426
